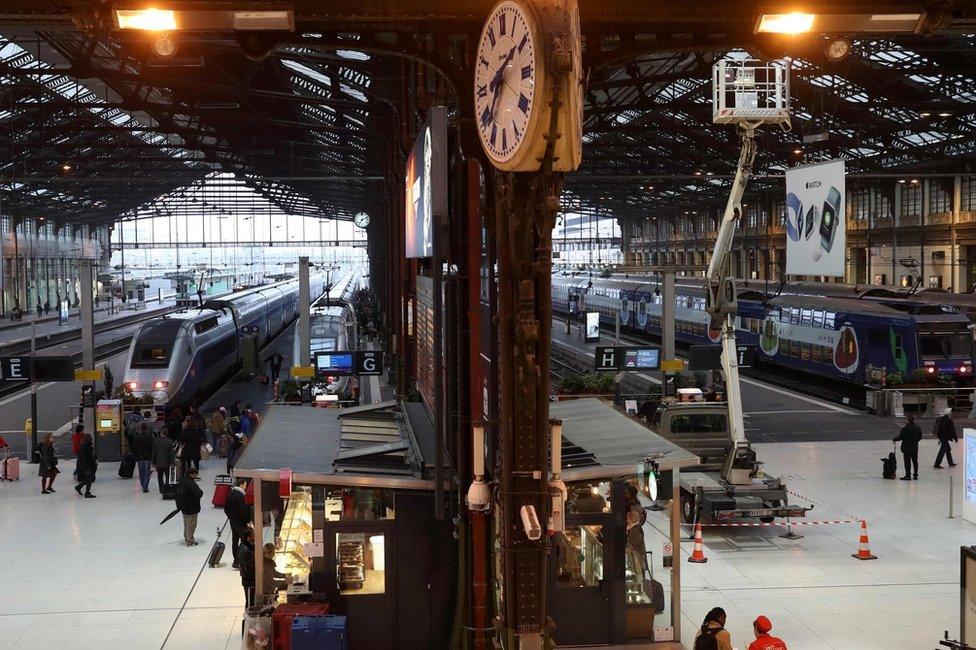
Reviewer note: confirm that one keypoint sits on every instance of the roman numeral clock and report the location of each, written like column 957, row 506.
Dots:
column 513, row 89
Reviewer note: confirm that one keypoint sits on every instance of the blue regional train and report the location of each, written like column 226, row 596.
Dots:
column 834, row 337
column 177, row 357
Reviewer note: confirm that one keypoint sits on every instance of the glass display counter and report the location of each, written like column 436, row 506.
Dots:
column 296, row 531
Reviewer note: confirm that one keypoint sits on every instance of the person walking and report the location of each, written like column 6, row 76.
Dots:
column 274, row 360
column 142, row 448
column 76, row 439
column 87, row 466
column 246, row 554
column 764, row 640
column 712, row 635
column 175, row 425
column 109, row 381
column 188, row 496
column 235, row 409
column 162, row 460
column 945, row 431
column 910, row 435
column 48, row 464
column 192, row 439
column 239, row 515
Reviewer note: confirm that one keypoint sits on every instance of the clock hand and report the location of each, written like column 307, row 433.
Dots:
column 501, row 69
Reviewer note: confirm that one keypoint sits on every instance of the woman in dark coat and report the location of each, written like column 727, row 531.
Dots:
column 48, row 464
column 192, row 439
column 175, row 425
column 87, row 465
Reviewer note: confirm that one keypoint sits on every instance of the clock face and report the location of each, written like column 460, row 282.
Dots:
column 505, row 81
column 361, row 220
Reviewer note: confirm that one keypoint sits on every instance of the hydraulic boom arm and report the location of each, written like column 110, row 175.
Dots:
column 721, row 304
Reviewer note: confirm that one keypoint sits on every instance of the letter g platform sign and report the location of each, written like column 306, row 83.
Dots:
column 369, row 362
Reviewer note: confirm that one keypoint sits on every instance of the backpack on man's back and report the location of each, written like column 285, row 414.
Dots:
column 707, row 639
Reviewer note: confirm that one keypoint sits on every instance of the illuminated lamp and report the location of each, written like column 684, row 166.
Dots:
column 838, row 49
column 155, row 20
column 792, row 23
column 164, row 46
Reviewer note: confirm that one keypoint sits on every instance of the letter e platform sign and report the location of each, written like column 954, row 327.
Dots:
column 15, row 368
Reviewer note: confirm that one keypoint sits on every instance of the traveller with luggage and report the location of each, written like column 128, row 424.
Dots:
column 910, row 435
column 162, row 460
column 87, row 466
column 188, row 496
column 48, row 464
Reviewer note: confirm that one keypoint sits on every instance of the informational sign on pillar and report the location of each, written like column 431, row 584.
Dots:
column 816, row 236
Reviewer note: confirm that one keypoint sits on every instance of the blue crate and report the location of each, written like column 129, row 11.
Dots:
column 318, row 633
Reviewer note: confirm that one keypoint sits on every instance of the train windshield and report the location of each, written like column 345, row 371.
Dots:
column 151, row 355
column 945, row 345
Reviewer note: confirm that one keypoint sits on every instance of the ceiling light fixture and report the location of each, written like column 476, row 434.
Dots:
column 792, row 23
column 798, row 151
column 157, row 20
column 925, row 114
column 945, row 114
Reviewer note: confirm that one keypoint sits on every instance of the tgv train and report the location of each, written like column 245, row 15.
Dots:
column 332, row 328
column 835, row 337
column 177, row 357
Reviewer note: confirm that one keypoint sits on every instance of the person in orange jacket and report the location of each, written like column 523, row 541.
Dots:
column 764, row 640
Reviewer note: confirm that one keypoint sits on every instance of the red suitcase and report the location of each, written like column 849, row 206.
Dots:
column 220, row 495
column 10, row 469
column 283, row 616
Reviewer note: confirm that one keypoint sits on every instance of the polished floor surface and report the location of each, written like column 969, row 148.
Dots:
column 814, row 592
column 102, row 573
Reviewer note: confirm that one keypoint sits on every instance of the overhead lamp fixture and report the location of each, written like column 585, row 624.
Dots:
column 798, row 151
column 915, row 181
column 945, row 114
column 901, row 181
column 792, row 23
column 698, row 173
column 837, row 50
column 66, row 167
column 155, row 20
column 800, row 23
column 162, row 20
column 926, row 114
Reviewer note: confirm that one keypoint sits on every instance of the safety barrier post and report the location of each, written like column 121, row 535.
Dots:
column 951, row 516
column 789, row 534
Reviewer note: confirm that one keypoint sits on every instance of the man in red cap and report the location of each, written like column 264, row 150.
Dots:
column 764, row 640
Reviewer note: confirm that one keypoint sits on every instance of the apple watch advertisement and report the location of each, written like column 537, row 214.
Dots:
column 816, row 236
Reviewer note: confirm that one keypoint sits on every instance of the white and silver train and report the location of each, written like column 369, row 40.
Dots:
column 332, row 328
column 177, row 357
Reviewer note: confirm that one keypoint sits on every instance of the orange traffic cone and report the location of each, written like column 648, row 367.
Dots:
column 863, row 552
column 698, row 554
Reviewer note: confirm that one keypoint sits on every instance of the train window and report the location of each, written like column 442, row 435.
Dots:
column 151, row 355
column 829, row 320
column 784, row 315
column 794, row 316
column 806, row 317
column 698, row 423
column 899, row 349
column 805, row 351
column 818, row 318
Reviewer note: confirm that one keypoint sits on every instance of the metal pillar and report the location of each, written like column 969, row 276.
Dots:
column 524, row 218
column 304, row 313
column 668, row 296
column 87, row 327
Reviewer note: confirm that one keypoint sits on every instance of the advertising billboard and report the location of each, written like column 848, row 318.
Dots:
column 426, row 184
column 816, row 236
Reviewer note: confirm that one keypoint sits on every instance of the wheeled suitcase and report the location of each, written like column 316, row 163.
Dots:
column 889, row 466
column 216, row 553
column 128, row 465
column 220, row 495
column 10, row 469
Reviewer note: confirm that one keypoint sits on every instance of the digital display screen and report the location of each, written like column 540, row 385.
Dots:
column 426, row 184
column 105, row 424
column 971, row 468
column 592, row 326
column 642, row 359
column 333, row 363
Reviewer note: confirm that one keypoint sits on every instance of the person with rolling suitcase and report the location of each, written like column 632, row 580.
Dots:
column 162, row 460
column 239, row 515
column 910, row 435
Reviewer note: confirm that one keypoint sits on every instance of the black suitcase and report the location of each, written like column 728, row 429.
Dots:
column 128, row 465
column 216, row 553
column 889, row 466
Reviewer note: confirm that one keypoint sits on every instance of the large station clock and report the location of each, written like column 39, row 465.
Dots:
column 510, row 87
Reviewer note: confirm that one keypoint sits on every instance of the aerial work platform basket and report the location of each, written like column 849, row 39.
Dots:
column 750, row 91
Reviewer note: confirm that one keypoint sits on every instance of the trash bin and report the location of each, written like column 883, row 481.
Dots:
column 318, row 633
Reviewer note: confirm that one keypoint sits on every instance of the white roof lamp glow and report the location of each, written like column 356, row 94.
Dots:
column 891, row 55
column 355, row 93
column 841, row 86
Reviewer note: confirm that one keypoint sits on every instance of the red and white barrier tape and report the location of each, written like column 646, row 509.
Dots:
column 823, row 505
column 776, row 523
